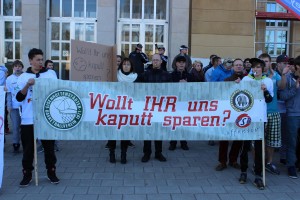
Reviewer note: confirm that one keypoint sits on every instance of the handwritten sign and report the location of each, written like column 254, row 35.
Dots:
column 92, row 62
column 69, row 110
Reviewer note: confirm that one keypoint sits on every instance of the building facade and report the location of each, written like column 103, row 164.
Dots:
column 227, row 28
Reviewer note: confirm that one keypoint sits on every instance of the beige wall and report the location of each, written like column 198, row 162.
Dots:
column 222, row 27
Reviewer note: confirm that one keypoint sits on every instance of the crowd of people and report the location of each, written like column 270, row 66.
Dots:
column 279, row 85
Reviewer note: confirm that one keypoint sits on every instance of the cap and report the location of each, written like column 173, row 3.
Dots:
column 255, row 61
column 282, row 58
column 228, row 62
column 180, row 58
column 161, row 47
column 139, row 46
column 183, row 47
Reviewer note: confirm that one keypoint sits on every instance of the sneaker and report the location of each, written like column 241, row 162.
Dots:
column 52, row 176
column 292, row 172
column 40, row 149
column 235, row 165
column 131, row 145
column 160, row 157
column 185, row 147
column 211, row 143
column 259, row 183
column 172, row 147
column 272, row 169
column 221, row 167
column 243, row 178
column 146, row 158
column 27, row 178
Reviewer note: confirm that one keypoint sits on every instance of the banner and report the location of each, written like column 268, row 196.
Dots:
column 291, row 5
column 2, row 106
column 67, row 110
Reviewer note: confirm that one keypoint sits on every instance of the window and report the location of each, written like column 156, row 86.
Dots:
column 277, row 32
column 11, row 21
column 142, row 21
column 69, row 19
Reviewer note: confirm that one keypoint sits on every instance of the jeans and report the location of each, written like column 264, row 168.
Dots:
column 147, row 147
column 27, row 138
column 293, row 125
column 233, row 154
column 16, row 122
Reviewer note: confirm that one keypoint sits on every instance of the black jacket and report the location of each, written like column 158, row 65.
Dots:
column 156, row 76
column 138, row 60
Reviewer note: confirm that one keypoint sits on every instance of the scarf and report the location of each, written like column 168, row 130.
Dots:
column 126, row 78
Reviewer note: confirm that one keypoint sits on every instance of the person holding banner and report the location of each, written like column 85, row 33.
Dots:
column 155, row 75
column 25, row 83
column 180, row 75
column 125, row 74
column 13, row 105
column 267, row 88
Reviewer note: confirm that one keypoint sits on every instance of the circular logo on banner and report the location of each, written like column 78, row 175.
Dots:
column 241, row 100
column 63, row 109
column 243, row 121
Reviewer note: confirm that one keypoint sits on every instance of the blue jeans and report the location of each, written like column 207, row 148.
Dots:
column 16, row 122
column 293, row 124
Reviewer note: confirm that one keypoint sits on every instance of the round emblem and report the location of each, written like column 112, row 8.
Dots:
column 63, row 109
column 241, row 100
column 243, row 121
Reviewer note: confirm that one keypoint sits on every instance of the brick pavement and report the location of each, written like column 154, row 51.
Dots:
column 86, row 174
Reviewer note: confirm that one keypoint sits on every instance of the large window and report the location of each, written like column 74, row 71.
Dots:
column 11, row 26
column 277, row 32
column 69, row 19
column 142, row 21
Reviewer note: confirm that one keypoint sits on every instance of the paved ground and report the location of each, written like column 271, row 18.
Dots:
column 86, row 174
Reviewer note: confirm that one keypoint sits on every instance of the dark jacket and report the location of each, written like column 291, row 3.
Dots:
column 177, row 76
column 155, row 76
column 188, row 63
column 235, row 76
column 197, row 76
column 138, row 60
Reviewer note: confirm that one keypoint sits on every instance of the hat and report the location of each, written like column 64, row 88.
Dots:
column 161, row 47
column 255, row 61
column 139, row 46
column 228, row 62
column 282, row 58
column 180, row 58
column 183, row 47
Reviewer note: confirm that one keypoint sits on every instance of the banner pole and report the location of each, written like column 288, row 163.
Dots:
column 35, row 164
column 263, row 161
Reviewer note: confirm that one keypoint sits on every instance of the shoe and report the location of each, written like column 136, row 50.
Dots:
column 56, row 148
column 185, row 147
column 211, row 143
column 52, row 176
column 160, row 157
column 172, row 147
column 112, row 157
column 40, row 149
column 27, row 178
column 131, row 145
column 283, row 161
column 106, row 146
column 292, row 172
column 146, row 158
column 221, row 167
column 235, row 165
column 123, row 158
column 243, row 178
column 16, row 148
column 259, row 183
column 272, row 169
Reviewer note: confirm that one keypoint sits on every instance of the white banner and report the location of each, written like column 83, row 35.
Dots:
column 2, row 106
column 68, row 110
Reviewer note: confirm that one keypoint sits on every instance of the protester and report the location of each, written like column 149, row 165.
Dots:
column 183, row 52
column 25, row 83
column 13, row 105
column 138, row 59
column 197, row 72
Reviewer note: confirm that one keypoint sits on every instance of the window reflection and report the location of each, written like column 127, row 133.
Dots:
column 124, row 8
column 78, row 8
column 161, row 7
column 149, row 33
column 8, row 7
column 135, row 33
column 67, row 8
column 18, row 8
column 125, row 33
column 91, row 8
column 89, row 32
column 136, row 9
column 79, row 31
column 9, row 50
column 18, row 30
column 65, row 31
column 159, row 37
column 149, row 9
column 54, row 8
column 8, row 30
column 55, row 30
column 17, row 50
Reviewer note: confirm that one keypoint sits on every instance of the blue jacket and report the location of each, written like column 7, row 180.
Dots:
column 220, row 73
column 291, row 96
